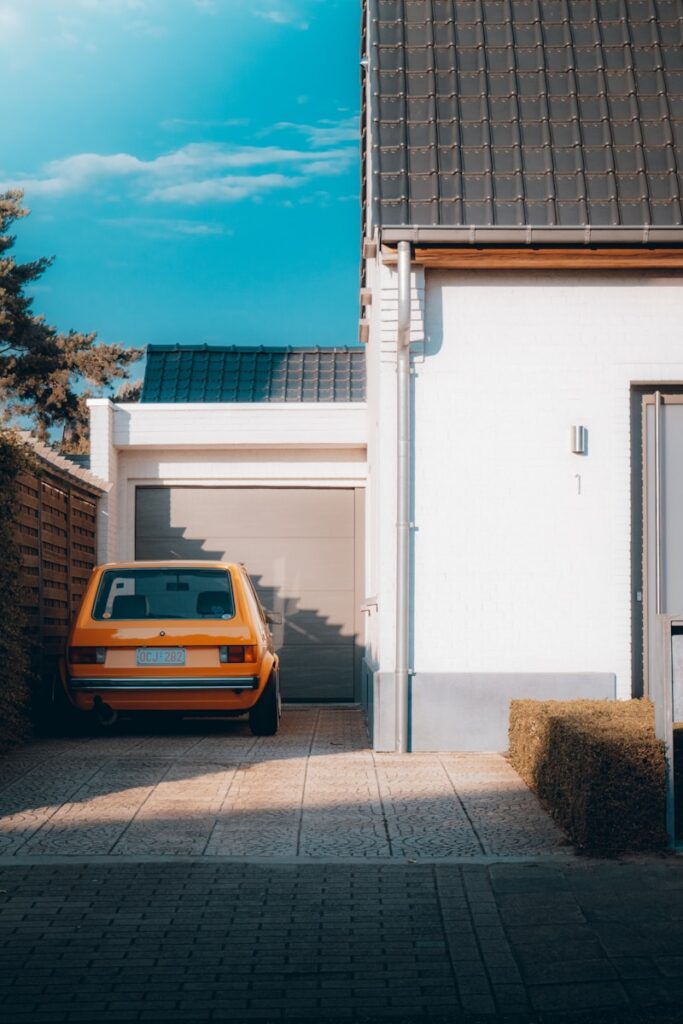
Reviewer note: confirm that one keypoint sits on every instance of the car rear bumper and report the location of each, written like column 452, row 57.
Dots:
column 126, row 685
column 189, row 693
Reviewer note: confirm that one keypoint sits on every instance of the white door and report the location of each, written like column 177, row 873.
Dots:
column 663, row 509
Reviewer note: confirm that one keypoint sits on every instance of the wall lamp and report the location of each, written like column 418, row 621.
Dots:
column 579, row 440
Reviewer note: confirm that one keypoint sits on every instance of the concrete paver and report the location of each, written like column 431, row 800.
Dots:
column 316, row 790
column 201, row 874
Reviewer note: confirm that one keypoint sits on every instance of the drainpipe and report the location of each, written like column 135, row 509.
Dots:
column 403, row 470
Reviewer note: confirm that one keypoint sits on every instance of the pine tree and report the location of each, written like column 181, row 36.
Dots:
column 46, row 376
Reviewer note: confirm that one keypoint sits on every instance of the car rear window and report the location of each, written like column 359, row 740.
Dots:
column 164, row 594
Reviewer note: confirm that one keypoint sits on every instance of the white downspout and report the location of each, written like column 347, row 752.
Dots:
column 403, row 473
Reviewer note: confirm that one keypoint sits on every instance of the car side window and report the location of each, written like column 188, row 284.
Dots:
column 251, row 590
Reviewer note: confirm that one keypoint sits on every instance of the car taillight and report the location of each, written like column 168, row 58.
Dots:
column 87, row 655
column 236, row 653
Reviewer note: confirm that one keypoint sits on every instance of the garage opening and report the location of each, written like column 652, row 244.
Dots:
column 303, row 548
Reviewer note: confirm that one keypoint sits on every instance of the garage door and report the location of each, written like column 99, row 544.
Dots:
column 301, row 547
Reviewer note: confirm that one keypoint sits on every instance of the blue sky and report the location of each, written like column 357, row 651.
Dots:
column 192, row 164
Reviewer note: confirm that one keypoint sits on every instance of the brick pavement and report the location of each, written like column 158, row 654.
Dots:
column 204, row 940
column 316, row 790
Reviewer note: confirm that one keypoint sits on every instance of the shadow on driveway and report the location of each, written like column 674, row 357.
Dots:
column 316, row 790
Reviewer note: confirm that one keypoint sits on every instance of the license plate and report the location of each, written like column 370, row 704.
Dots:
column 160, row 656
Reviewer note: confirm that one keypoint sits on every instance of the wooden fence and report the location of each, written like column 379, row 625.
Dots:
column 57, row 535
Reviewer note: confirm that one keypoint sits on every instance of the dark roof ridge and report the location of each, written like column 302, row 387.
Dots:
column 206, row 347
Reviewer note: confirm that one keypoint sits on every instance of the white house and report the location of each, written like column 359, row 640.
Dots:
column 523, row 175
column 495, row 515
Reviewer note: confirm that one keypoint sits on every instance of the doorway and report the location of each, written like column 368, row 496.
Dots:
column 659, row 582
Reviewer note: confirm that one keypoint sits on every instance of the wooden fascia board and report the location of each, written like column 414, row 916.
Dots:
column 579, row 258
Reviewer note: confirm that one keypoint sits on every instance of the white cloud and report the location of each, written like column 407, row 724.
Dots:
column 177, row 123
column 166, row 228
column 200, row 171
column 11, row 21
column 277, row 16
column 145, row 28
column 113, row 6
column 84, row 166
column 27, row 25
column 75, row 173
column 14, row 33
column 326, row 133
column 207, row 155
column 228, row 189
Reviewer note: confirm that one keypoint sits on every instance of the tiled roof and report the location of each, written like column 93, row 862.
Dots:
column 204, row 373
column 527, row 112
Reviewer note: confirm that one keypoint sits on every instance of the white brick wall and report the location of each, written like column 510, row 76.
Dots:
column 389, row 313
column 515, row 571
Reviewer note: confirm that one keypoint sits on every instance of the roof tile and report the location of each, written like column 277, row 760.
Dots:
column 212, row 374
column 525, row 111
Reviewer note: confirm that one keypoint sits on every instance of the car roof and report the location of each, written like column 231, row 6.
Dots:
column 172, row 564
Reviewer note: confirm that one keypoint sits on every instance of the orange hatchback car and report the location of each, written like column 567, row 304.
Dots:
column 173, row 636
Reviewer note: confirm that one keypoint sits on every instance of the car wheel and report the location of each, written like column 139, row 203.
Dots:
column 57, row 716
column 264, row 717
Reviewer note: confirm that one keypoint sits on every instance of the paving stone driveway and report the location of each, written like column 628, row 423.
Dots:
column 345, row 888
column 315, row 790
column 349, row 943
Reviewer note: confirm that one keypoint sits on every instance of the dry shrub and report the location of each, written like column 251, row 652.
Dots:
column 678, row 778
column 597, row 767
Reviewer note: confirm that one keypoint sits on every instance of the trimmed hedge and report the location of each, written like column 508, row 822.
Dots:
column 15, row 662
column 678, row 778
column 597, row 767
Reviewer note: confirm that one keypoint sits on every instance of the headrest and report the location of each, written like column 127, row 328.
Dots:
column 130, row 606
column 213, row 602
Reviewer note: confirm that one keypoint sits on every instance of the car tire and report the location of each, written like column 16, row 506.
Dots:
column 58, row 716
column 264, row 717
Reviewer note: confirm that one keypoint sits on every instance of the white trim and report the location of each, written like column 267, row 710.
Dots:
column 258, row 482
column 230, row 426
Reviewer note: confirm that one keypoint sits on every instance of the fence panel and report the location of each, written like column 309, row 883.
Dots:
column 57, row 534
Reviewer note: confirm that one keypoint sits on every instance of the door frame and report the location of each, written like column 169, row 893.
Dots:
column 670, row 393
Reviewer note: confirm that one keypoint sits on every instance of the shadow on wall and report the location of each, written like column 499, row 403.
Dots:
column 320, row 660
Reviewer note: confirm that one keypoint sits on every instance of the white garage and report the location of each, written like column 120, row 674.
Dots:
column 273, row 476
